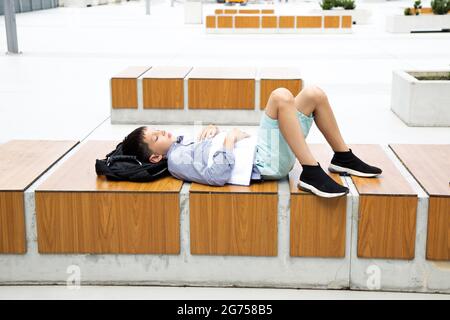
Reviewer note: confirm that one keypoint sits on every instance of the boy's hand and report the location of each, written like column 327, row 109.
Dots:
column 239, row 135
column 209, row 132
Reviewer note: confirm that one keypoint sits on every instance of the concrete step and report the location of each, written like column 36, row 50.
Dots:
column 21, row 163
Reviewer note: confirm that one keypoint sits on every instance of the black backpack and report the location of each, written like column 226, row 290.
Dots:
column 119, row 167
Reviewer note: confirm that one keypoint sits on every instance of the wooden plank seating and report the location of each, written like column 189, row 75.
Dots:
column 21, row 163
column 430, row 166
column 264, row 23
column 273, row 78
column 78, row 212
column 234, row 220
column 387, row 209
column 244, row 11
column 124, row 88
column 221, row 88
column 318, row 225
column 163, row 87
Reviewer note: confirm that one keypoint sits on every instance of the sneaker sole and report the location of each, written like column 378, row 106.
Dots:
column 307, row 187
column 337, row 169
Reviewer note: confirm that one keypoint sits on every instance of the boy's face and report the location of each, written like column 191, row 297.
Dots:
column 159, row 140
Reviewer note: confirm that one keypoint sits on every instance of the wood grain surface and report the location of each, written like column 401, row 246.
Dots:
column 211, row 21
column 286, row 22
column 347, row 22
column 233, row 224
column 387, row 226
column 78, row 174
column 268, row 85
column 124, row 88
column 247, row 21
column 225, row 21
column 221, row 94
column 163, row 93
column 390, row 182
column 23, row 161
column 12, row 222
column 317, row 225
column 429, row 164
column 108, row 222
column 438, row 235
column 309, row 22
column 332, row 21
column 269, row 22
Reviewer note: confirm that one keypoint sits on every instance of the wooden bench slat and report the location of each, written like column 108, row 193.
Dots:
column 429, row 164
column 23, row 161
column 318, row 225
column 390, row 182
column 78, row 174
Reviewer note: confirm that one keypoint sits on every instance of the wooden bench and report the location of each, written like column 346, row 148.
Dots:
column 221, row 88
column 21, row 163
column 163, row 87
column 387, row 209
column 318, row 225
column 78, row 212
column 273, row 78
column 430, row 166
column 124, row 88
column 234, row 220
column 244, row 11
column 262, row 23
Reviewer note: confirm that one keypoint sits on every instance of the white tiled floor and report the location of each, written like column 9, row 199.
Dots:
column 176, row 293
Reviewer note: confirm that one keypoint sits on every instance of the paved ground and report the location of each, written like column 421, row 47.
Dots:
column 175, row 293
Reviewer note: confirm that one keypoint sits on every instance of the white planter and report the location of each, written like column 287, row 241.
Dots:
column 421, row 103
column 359, row 16
column 193, row 12
column 78, row 3
column 424, row 22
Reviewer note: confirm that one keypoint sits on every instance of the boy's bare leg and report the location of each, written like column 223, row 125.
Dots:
column 314, row 99
column 281, row 106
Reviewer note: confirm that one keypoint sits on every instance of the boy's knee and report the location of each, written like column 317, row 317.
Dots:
column 282, row 96
column 314, row 93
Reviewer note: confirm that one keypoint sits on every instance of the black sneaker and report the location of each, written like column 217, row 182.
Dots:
column 346, row 163
column 315, row 180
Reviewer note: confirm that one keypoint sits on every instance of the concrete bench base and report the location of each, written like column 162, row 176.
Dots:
column 423, row 22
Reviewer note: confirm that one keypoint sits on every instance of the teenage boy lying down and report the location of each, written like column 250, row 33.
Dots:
column 281, row 139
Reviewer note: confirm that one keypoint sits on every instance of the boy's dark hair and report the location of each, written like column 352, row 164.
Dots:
column 134, row 145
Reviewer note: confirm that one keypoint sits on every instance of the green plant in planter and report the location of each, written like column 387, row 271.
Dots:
column 440, row 6
column 348, row 4
column 417, row 7
column 407, row 12
column 327, row 4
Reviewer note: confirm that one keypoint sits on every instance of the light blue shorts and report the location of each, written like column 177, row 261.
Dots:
column 274, row 158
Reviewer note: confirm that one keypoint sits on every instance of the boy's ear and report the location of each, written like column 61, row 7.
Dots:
column 155, row 158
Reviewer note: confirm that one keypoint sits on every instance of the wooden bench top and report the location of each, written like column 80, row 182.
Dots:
column 24, row 161
column 167, row 72
column 429, row 164
column 323, row 154
column 255, row 187
column 222, row 73
column 390, row 182
column 282, row 73
column 131, row 72
column 78, row 174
